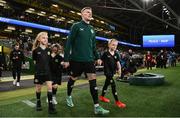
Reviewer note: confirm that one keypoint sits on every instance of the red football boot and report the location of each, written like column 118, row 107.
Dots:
column 120, row 104
column 103, row 99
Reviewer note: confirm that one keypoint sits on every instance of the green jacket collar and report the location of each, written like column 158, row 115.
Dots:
column 84, row 22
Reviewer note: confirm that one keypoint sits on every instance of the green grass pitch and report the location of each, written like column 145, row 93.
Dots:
column 141, row 101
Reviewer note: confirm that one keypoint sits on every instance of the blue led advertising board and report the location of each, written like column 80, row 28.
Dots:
column 158, row 41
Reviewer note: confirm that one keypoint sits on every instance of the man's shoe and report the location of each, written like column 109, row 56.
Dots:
column 100, row 111
column 103, row 99
column 38, row 106
column 69, row 101
column 120, row 104
column 54, row 101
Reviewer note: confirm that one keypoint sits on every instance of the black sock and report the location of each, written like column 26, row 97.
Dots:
column 50, row 104
column 93, row 90
column 49, row 95
column 114, row 92
column 38, row 96
column 70, row 86
column 106, row 84
column 14, row 74
column 54, row 91
column 18, row 76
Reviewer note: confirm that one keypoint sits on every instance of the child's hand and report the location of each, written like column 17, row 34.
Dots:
column 99, row 62
column 66, row 64
column 62, row 63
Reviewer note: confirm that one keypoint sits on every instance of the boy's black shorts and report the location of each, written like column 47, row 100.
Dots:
column 77, row 68
column 56, row 79
column 40, row 79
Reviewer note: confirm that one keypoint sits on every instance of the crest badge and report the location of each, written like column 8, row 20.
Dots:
column 92, row 31
column 56, row 60
column 36, row 80
column 48, row 53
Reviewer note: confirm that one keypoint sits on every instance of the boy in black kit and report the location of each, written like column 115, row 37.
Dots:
column 42, row 56
column 56, row 69
column 17, row 58
column 111, row 64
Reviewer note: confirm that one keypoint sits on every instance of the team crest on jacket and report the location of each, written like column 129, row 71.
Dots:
column 36, row 80
column 56, row 60
column 92, row 31
column 49, row 53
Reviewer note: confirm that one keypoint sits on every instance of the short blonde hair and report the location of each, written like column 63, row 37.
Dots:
column 112, row 40
column 85, row 9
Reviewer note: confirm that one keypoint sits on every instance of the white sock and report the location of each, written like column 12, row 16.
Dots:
column 96, row 105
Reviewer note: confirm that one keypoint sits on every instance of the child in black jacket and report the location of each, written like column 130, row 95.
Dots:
column 42, row 57
column 17, row 59
column 111, row 63
column 56, row 69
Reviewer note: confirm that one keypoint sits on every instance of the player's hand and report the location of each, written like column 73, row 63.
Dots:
column 99, row 62
column 66, row 64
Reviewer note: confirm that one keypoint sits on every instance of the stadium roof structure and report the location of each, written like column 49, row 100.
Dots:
column 140, row 16
column 127, row 19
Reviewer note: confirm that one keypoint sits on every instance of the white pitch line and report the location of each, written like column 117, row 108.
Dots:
column 29, row 103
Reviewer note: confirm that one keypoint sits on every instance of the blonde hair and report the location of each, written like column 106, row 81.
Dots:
column 112, row 40
column 36, row 42
column 85, row 9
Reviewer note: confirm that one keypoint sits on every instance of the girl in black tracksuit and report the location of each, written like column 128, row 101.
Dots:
column 42, row 56
column 111, row 63
column 56, row 69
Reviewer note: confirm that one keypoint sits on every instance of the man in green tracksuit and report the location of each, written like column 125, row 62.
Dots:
column 80, row 54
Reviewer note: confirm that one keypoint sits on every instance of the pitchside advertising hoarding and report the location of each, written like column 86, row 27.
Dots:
column 158, row 41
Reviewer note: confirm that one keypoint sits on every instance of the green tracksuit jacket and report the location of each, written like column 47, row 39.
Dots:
column 81, row 43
